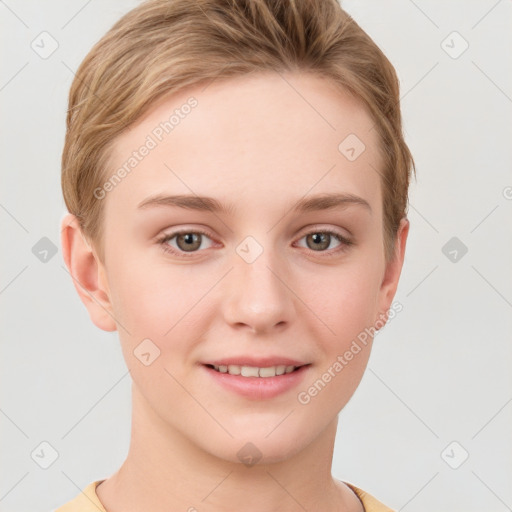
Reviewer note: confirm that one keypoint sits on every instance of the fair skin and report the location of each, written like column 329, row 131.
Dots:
column 255, row 143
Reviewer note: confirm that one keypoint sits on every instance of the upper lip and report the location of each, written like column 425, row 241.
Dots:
column 258, row 362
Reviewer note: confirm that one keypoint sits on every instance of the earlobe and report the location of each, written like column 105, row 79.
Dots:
column 392, row 272
column 87, row 273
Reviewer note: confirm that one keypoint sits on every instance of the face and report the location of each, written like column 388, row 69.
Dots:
column 267, row 275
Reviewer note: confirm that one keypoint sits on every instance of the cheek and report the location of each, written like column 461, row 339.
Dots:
column 156, row 306
column 166, row 304
column 346, row 301
column 347, row 307
column 352, row 302
column 149, row 299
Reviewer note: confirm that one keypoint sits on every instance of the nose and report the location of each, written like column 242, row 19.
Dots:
column 257, row 296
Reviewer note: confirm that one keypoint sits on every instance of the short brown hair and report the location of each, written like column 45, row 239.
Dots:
column 163, row 46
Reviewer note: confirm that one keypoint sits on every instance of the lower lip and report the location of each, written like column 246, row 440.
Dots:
column 259, row 388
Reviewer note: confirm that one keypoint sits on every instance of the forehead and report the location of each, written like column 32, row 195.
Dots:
column 256, row 140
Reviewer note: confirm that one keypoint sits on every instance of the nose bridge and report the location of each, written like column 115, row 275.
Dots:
column 257, row 296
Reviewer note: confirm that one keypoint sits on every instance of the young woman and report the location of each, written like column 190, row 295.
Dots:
column 237, row 183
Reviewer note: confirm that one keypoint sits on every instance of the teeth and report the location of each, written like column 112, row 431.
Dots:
column 233, row 369
column 253, row 371
column 267, row 372
column 280, row 369
column 249, row 371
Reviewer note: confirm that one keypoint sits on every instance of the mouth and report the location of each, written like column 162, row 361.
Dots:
column 255, row 371
column 257, row 379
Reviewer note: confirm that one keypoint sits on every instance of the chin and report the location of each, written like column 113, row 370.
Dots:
column 257, row 447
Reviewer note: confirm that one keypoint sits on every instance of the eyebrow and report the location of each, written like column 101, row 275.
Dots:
column 319, row 202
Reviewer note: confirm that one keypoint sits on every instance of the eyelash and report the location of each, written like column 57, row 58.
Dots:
column 162, row 241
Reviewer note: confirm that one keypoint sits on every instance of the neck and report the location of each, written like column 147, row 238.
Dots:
column 165, row 471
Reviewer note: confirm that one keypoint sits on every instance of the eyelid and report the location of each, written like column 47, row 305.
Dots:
column 322, row 228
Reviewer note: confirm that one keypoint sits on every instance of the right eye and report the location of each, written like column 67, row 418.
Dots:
column 187, row 241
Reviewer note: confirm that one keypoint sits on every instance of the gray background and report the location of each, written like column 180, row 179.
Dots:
column 438, row 385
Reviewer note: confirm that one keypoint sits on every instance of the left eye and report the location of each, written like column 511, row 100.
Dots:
column 319, row 241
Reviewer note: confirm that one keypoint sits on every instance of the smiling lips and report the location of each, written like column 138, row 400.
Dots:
column 257, row 378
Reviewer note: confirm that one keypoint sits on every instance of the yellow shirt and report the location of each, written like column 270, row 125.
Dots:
column 87, row 501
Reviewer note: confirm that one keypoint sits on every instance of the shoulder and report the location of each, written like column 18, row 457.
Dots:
column 85, row 501
column 370, row 503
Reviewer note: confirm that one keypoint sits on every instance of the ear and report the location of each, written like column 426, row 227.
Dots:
column 87, row 272
column 392, row 272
